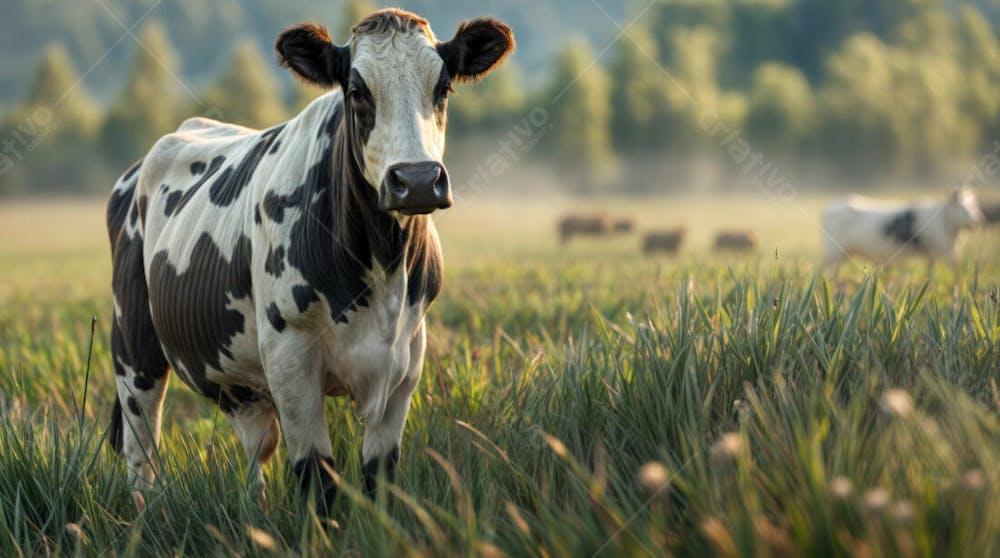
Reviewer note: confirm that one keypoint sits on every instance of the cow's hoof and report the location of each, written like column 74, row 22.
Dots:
column 370, row 471
column 315, row 474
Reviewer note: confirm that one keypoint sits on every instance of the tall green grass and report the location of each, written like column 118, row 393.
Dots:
column 571, row 406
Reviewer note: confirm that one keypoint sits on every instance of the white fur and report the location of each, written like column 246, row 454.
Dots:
column 855, row 226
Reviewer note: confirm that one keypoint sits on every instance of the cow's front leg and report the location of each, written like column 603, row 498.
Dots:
column 382, row 436
column 295, row 379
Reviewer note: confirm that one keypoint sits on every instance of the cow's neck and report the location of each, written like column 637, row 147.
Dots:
column 372, row 235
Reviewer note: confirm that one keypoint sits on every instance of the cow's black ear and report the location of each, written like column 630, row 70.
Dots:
column 478, row 46
column 306, row 48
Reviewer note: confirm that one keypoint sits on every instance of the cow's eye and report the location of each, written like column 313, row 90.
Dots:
column 356, row 95
column 441, row 95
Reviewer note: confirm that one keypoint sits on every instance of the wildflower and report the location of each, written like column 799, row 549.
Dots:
column 727, row 447
column 654, row 477
column 974, row 479
column 841, row 488
column 897, row 402
column 904, row 511
column 876, row 499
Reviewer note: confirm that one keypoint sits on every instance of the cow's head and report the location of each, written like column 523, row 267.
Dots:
column 963, row 208
column 396, row 78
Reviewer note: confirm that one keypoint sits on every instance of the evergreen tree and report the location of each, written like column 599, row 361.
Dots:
column 151, row 103
column 56, row 88
column 354, row 11
column 781, row 108
column 638, row 93
column 581, row 116
column 247, row 93
column 492, row 104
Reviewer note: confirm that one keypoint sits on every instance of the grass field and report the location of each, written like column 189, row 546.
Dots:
column 579, row 402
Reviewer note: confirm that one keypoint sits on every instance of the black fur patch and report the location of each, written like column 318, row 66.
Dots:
column 274, row 316
column 198, row 167
column 231, row 183
column 192, row 314
column 133, row 216
column 370, row 470
column 133, row 406
column 314, row 471
column 131, row 171
column 177, row 200
column 304, row 295
column 362, row 107
column 256, row 214
column 902, row 229
column 274, row 263
column 274, row 148
column 133, row 337
column 275, row 204
column 119, row 205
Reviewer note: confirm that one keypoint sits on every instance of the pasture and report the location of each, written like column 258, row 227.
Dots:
column 575, row 402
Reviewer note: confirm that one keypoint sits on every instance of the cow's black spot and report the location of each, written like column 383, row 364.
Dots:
column 177, row 200
column 142, row 202
column 132, row 170
column 171, row 204
column 134, row 342
column 133, row 406
column 362, row 108
column 314, row 473
column 275, row 204
column 119, row 205
column 256, row 214
column 192, row 311
column 231, row 183
column 369, row 470
column 198, row 167
column 902, row 229
column 133, row 216
column 274, row 263
column 275, row 147
column 304, row 295
column 274, row 316
column 329, row 126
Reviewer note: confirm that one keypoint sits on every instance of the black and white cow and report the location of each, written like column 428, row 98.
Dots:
column 270, row 269
column 881, row 230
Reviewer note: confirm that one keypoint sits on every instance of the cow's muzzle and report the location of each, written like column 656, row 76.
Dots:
column 416, row 188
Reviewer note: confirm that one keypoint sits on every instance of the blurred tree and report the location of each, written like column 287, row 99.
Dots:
column 50, row 133
column 857, row 99
column 979, row 62
column 580, row 92
column 354, row 11
column 638, row 93
column 56, row 88
column 247, row 93
column 151, row 102
column 493, row 104
column 781, row 108
column 693, row 89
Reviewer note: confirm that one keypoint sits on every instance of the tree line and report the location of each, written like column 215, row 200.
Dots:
column 866, row 91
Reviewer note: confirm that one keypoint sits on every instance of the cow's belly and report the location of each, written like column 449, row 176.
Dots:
column 202, row 308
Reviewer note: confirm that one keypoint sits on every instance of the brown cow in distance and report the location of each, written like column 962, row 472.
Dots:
column 735, row 241
column 667, row 242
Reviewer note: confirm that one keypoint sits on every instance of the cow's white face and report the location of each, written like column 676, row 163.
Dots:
column 396, row 78
column 963, row 208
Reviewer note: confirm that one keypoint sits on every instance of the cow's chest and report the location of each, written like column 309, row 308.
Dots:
column 367, row 357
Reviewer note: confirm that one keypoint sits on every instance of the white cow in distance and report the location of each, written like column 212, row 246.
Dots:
column 881, row 231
